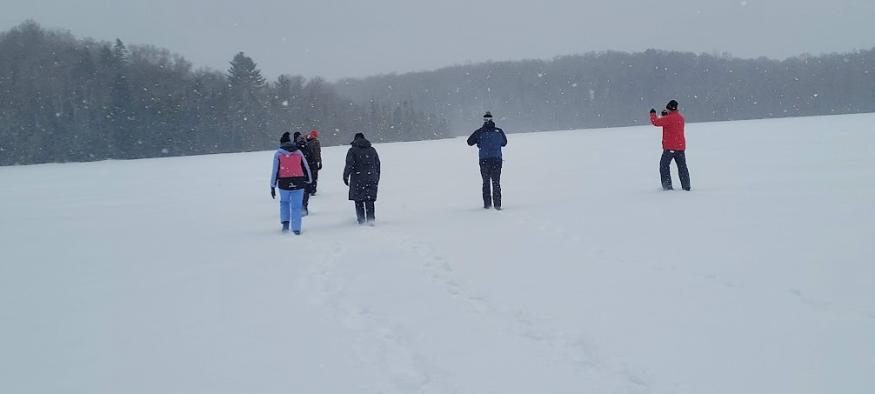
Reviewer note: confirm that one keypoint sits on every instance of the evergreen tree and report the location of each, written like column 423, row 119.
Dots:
column 245, row 84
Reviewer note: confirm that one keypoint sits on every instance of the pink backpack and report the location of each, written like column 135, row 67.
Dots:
column 290, row 166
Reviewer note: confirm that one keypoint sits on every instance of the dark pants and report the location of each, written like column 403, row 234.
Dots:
column 665, row 170
column 306, row 203
column 311, row 188
column 490, row 170
column 364, row 210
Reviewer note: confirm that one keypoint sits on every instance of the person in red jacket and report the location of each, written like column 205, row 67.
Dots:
column 673, row 145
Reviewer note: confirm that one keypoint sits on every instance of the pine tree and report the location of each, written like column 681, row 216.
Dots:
column 246, row 106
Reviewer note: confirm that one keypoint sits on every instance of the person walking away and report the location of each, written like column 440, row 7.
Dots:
column 290, row 173
column 315, row 148
column 301, row 142
column 489, row 140
column 362, row 175
column 674, row 145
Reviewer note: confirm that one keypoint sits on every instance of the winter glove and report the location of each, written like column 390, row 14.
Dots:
column 346, row 181
column 652, row 111
column 273, row 193
column 664, row 112
column 318, row 165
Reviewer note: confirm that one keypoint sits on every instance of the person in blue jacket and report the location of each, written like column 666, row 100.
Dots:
column 291, row 173
column 490, row 139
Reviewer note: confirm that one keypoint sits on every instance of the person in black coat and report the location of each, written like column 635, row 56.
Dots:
column 362, row 175
column 301, row 142
column 315, row 148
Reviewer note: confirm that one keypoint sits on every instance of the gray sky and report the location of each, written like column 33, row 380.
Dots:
column 348, row 38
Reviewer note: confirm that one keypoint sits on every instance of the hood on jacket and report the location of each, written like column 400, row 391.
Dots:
column 361, row 143
column 289, row 147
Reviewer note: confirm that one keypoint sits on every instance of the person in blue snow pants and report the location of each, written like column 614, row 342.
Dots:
column 291, row 208
column 291, row 174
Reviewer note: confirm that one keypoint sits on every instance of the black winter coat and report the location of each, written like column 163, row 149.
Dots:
column 315, row 148
column 362, row 171
column 302, row 146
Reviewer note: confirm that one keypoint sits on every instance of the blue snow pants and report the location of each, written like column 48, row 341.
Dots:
column 291, row 202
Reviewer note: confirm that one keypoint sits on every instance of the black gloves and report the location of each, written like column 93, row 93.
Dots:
column 652, row 111
column 273, row 193
column 346, row 181
column 318, row 165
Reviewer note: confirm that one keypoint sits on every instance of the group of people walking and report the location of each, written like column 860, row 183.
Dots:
column 295, row 171
column 297, row 162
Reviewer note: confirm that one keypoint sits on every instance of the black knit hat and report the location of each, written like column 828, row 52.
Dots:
column 487, row 116
column 296, row 135
column 358, row 135
column 672, row 105
column 285, row 138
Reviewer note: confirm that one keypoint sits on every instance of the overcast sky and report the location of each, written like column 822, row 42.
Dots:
column 349, row 38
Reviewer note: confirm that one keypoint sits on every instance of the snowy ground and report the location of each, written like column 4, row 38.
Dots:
column 171, row 276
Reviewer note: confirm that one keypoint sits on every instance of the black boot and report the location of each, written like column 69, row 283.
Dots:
column 360, row 212
column 285, row 227
column 369, row 213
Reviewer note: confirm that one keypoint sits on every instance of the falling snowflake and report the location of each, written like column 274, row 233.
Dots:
column 285, row 103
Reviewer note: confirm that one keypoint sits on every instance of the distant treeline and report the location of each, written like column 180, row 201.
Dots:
column 68, row 99
column 616, row 89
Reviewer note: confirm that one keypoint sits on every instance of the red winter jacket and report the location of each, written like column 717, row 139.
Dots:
column 672, row 130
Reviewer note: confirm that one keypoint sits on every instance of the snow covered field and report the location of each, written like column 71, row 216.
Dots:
column 171, row 275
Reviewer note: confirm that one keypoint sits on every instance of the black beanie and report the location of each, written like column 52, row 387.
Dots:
column 672, row 105
column 296, row 135
column 487, row 116
column 285, row 138
column 358, row 135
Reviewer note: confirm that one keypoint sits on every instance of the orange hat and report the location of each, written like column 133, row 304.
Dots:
column 314, row 134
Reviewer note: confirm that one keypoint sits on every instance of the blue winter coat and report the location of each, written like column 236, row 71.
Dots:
column 489, row 139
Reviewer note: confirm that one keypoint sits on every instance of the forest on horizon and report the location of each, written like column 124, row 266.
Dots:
column 66, row 99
